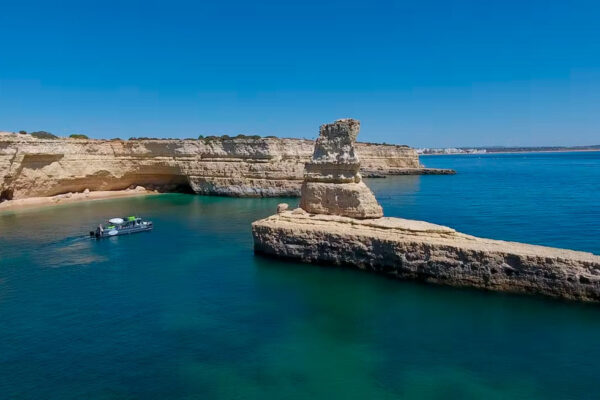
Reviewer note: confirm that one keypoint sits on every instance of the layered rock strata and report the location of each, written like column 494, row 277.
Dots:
column 31, row 167
column 332, row 182
column 355, row 235
column 431, row 253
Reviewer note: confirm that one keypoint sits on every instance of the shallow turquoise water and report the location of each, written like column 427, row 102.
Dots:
column 188, row 311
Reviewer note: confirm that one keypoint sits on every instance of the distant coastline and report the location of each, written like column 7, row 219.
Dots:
column 505, row 150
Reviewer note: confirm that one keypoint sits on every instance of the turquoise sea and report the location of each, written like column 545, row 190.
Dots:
column 188, row 311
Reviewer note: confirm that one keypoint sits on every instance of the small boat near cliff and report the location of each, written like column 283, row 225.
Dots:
column 122, row 226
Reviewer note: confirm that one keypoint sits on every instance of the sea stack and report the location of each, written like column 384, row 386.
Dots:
column 340, row 222
column 332, row 182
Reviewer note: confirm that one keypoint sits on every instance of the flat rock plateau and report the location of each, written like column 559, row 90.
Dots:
column 256, row 167
column 431, row 253
column 340, row 222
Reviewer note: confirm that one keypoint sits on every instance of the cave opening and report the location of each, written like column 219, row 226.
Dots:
column 7, row 194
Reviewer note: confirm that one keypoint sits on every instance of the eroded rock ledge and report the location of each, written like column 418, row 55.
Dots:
column 432, row 253
column 340, row 222
column 31, row 167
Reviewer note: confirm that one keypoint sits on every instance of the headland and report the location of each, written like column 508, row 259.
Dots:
column 241, row 166
column 340, row 222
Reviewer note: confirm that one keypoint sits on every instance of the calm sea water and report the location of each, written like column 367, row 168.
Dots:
column 188, row 311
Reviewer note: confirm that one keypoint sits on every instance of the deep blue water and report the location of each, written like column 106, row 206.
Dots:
column 188, row 311
column 551, row 199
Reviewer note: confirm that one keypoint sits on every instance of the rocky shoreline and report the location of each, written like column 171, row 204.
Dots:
column 421, row 251
column 340, row 222
column 243, row 167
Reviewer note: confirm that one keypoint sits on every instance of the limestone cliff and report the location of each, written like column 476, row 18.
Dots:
column 431, row 253
column 340, row 222
column 332, row 182
column 232, row 167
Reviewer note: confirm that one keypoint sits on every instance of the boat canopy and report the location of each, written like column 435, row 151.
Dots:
column 116, row 220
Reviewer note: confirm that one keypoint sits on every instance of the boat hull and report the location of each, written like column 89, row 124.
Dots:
column 120, row 232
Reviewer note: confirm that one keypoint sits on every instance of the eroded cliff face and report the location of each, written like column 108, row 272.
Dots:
column 431, row 253
column 332, row 181
column 232, row 167
column 340, row 222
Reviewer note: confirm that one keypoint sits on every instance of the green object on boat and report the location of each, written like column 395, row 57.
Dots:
column 118, row 226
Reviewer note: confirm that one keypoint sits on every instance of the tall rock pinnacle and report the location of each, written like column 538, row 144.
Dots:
column 332, row 182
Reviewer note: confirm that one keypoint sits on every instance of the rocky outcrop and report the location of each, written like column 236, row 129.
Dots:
column 332, row 182
column 355, row 236
column 32, row 167
column 431, row 253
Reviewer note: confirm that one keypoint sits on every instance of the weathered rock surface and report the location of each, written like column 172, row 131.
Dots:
column 282, row 207
column 337, row 224
column 353, row 200
column 332, row 182
column 432, row 253
column 334, row 159
column 32, row 167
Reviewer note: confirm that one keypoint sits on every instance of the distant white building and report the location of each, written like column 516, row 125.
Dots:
column 450, row 150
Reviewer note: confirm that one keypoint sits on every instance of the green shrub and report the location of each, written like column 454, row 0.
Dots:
column 23, row 132
column 242, row 136
column 78, row 136
column 43, row 135
column 116, row 139
column 142, row 138
column 200, row 137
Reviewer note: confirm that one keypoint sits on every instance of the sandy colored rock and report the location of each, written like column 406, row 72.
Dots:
column 432, row 253
column 334, row 158
column 342, row 224
column 281, row 207
column 353, row 200
column 332, row 182
column 261, row 167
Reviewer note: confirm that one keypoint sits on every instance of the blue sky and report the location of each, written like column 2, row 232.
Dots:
column 423, row 73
